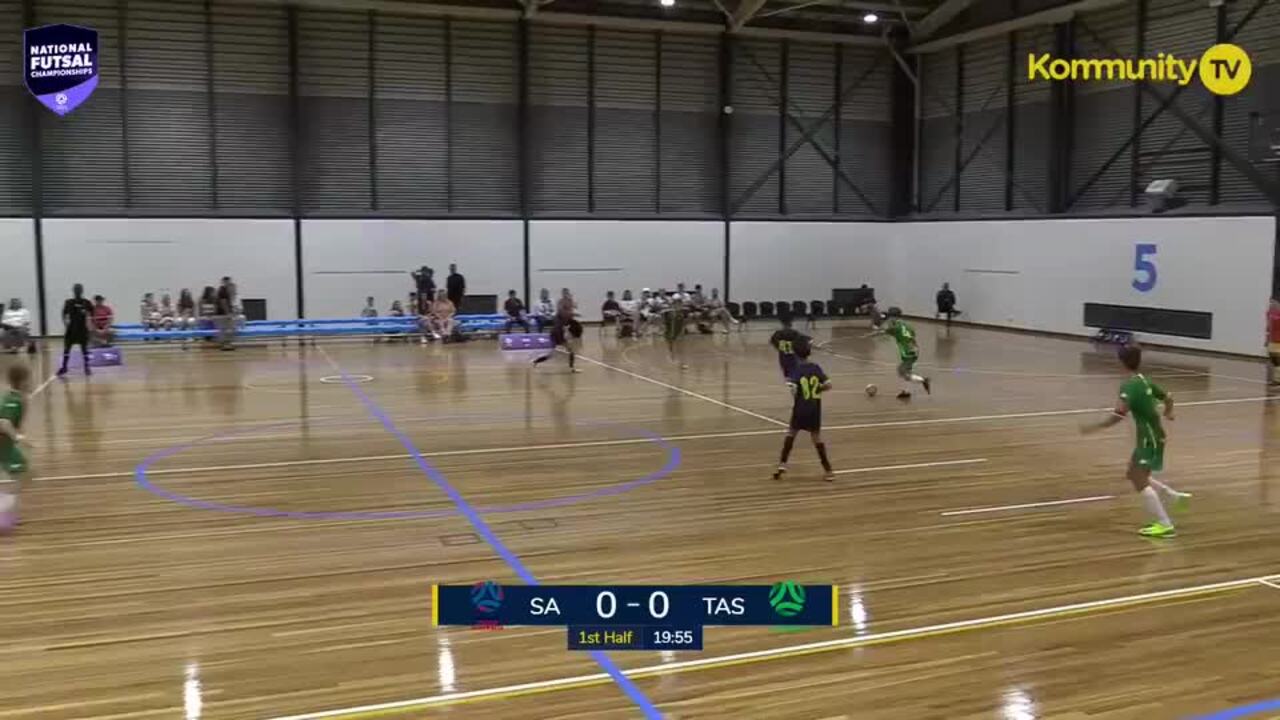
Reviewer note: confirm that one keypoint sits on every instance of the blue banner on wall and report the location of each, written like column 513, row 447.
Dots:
column 60, row 65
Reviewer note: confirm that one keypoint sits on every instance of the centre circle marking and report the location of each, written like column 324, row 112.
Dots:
column 673, row 460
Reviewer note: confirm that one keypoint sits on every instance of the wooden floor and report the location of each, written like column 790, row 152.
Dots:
column 207, row 536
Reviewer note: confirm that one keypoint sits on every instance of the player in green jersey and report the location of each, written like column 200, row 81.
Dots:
column 13, row 464
column 1141, row 399
column 673, row 330
column 908, row 350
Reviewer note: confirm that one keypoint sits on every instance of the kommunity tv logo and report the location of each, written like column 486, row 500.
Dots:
column 1223, row 69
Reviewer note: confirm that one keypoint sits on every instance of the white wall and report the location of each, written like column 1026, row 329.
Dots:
column 1032, row 274
column 18, row 267
column 123, row 258
column 593, row 257
column 345, row 261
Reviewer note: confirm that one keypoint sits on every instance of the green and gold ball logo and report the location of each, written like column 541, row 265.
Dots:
column 787, row 598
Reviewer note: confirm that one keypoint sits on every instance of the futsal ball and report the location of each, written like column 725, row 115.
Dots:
column 787, row 598
column 872, row 390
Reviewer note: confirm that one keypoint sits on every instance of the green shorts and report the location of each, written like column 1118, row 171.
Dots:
column 1149, row 456
column 13, row 462
column 906, row 365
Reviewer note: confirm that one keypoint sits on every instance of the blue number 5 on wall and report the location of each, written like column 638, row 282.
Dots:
column 1144, row 265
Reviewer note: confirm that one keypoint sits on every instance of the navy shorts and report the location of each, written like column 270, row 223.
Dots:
column 808, row 419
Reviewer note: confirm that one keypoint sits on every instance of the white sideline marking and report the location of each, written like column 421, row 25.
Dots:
column 622, row 441
column 690, row 393
column 1023, row 506
column 784, row 651
column 912, row 466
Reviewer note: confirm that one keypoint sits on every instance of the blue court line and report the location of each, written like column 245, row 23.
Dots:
column 1242, row 711
column 482, row 528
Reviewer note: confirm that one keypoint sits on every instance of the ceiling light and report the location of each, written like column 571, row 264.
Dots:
column 668, row 3
column 870, row 18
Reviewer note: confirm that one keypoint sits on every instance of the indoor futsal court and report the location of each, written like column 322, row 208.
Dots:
column 683, row 359
column 217, row 515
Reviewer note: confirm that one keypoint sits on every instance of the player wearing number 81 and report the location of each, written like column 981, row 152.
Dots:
column 807, row 382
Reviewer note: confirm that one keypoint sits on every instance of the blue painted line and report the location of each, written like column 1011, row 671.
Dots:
column 482, row 528
column 142, row 478
column 1242, row 711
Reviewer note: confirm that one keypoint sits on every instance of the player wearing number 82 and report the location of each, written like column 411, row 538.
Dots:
column 807, row 382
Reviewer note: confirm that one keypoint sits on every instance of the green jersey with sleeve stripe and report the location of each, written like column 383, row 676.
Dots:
column 1144, row 398
column 12, row 408
column 905, row 337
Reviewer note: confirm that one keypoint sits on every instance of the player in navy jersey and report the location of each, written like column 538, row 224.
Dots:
column 786, row 341
column 807, row 382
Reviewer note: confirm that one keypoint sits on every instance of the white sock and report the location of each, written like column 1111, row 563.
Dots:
column 917, row 378
column 1152, row 502
column 1166, row 489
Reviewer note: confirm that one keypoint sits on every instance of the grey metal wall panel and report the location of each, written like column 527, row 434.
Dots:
column 811, row 91
column 866, row 135
column 757, row 72
column 83, row 152
column 484, row 118
column 982, row 181
column 1103, row 120
column 1169, row 149
column 1261, row 38
column 333, row 85
column 170, row 162
column 558, row 120
column 1031, row 124
column 251, row 109
column 15, row 113
column 626, row 135
column 690, row 150
column 938, row 130
column 411, row 118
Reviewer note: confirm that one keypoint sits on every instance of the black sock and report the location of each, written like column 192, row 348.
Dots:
column 786, row 449
column 822, row 455
column 572, row 357
column 539, row 361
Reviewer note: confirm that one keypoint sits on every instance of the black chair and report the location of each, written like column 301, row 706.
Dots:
column 750, row 310
column 735, row 310
column 766, row 309
column 799, row 308
column 833, row 308
column 817, row 308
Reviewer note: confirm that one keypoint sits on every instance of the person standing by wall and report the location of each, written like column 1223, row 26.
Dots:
column 76, row 312
column 424, row 279
column 226, row 313
column 456, row 285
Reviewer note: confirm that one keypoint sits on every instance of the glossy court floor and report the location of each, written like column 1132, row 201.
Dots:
column 250, row 534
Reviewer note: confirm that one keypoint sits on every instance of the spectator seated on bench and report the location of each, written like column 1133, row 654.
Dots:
column 15, row 328
column 102, row 331
column 514, row 308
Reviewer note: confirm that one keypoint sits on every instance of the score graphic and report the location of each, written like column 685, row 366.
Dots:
column 634, row 617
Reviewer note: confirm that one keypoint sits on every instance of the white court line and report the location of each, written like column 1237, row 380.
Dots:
column 690, row 393
column 623, row 441
column 1269, row 584
column 1023, row 506
column 785, row 651
column 44, row 385
column 912, row 466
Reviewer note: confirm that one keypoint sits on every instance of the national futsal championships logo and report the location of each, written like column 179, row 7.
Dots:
column 787, row 598
column 61, row 65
